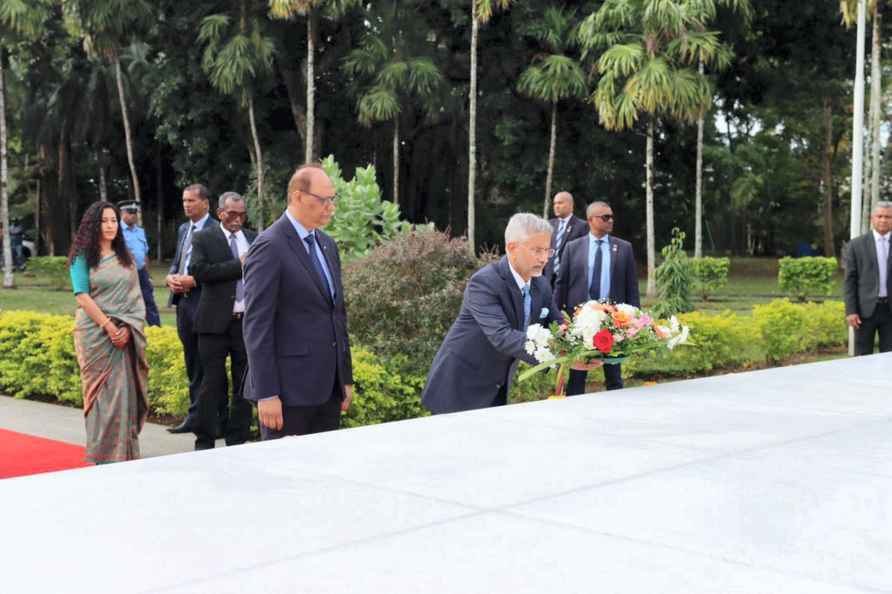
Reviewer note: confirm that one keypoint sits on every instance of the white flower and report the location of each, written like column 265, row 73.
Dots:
column 539, row 335
column 629, row 310
column 680, row 338
column 530, row 347
column 673, row 321
column 588, row 322
column 544, row 355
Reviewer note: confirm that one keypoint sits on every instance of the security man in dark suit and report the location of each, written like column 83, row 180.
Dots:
column 185, row 294
column 300, row 371
column 565, row 228
column 218, row 254
column 597, row 267
column 867, row 283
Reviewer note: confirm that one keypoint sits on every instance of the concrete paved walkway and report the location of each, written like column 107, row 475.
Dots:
column 65, row 423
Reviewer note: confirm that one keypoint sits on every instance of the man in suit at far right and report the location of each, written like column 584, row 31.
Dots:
column 597, row 266
column 866, row 285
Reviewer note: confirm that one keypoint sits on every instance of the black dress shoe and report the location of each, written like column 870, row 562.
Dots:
column 221, row 431
column 183, row 427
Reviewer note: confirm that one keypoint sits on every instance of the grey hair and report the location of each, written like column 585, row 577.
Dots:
column 881, row 204
column 234, row 196
column 594, row 205
column 523, row 225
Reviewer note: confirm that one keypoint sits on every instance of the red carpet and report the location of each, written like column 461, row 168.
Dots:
column 22, row 454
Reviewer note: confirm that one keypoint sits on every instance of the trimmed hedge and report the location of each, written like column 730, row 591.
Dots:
column 710, row 275
column 801, row 277
column 37, row 359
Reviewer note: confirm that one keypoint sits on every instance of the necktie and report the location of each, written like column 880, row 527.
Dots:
column 317, row 264
column 594, row 290
column 527, row 305
column 557, row 247
column 883, row 261
column 187, row 250
column 240, row 285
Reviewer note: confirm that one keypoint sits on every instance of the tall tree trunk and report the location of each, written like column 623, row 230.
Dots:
column 159, row 199
column 876, row 91
column 297, row 111
column 396, row 160
column 311, row 85
column 64, row 176
column 651, row 241
column 8, row 278
column 472, row 130
column 38, row 198
column 829, row 248
column 552, row 149
column 259, row 163
column 128, row 135
column 103, row 182
column 698, row 192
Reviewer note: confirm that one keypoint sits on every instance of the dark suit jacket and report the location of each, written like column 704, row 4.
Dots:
column 480, row 353
column 571, row 288
column 295, row 336
column 213, row 265
column 862, row 280
column 173, row 298
column 575, row 229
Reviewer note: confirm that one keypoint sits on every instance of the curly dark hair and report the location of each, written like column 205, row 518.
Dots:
column 86, row 241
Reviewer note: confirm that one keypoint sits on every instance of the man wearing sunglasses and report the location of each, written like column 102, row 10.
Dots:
column 597, row 267
column 300, row 371
column 565, row 228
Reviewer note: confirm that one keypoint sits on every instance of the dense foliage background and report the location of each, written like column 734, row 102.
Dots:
column 195, row 74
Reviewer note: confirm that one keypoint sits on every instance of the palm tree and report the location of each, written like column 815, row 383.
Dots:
column 849, row 9
column 481, row 12
column 286, row 9
column 742, row 6
column 553, row 76
column 395, row 78
column 18, row 20
column 107, row 26
column 237, row 52
column 649, row 68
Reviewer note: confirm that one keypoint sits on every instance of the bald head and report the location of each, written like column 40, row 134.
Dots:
column 311, row 196
column 563, row 204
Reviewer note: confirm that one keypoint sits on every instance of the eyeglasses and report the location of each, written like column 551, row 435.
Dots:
column 539, row 252
column 604, row 217
column 326, row 201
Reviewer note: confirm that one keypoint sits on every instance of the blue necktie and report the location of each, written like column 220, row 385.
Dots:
column 527, row 305
column 317, row 264
column 240, row 285
column 594, row 291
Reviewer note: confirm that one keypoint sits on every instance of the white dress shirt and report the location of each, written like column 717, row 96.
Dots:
column 242, row 243
column 881, row 242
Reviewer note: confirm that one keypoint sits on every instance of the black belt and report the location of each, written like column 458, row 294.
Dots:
column 882, row 300
column 238, row 315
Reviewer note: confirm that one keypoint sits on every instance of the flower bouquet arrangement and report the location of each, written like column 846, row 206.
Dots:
column 598, row 331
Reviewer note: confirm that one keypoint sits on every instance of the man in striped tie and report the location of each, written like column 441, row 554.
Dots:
column 565, row 228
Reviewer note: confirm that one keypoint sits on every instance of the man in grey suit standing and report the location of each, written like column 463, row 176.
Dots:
column 565, row 228
column 597, row 267
column 300, row 371
column 477, row 360
column 867, row 283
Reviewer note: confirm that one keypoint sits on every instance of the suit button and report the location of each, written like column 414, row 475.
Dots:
column 334, row 345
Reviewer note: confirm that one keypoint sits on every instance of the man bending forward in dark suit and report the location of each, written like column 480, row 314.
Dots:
column 867, row 283
column 477, row 360
column 300, row 370
column 597, row 266
column 218, row 253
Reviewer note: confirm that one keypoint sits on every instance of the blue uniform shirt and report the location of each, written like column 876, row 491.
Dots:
column 135, row 238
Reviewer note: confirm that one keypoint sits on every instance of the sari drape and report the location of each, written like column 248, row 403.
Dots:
column 114, row 381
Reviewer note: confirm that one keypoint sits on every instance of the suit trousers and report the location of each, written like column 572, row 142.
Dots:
column 613, row 380
column 304, row 420
column 879, row 323
column 153, row 318
column 213, row 350
column 187, row 309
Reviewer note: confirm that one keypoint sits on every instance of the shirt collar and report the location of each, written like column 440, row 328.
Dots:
column 229, row 233
column 566, row 219
column 199, row 225
column 593, row 239
column 301, row 230
column 517, row 278
column 876, row 236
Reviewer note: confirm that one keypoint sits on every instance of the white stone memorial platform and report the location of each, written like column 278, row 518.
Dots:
column 774, row 482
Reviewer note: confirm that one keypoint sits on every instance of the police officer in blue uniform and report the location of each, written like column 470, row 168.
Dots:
column 135, row 237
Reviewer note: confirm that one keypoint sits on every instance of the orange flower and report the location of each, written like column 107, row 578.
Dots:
column 621, row 319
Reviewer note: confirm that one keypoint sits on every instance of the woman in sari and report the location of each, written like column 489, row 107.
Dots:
column 108, row 336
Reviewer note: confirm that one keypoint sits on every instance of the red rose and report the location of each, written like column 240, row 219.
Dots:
column 603, row 341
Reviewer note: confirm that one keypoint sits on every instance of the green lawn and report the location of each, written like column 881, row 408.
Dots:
column 752, row 281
